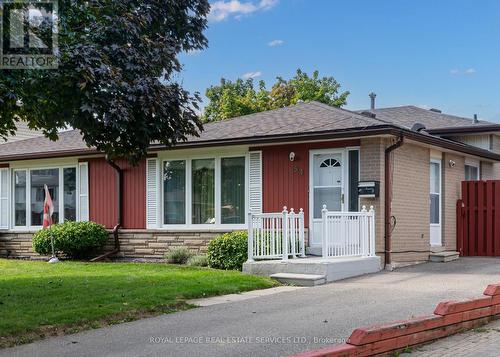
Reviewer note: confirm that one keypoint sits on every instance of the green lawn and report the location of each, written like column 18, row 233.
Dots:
column 39, row 299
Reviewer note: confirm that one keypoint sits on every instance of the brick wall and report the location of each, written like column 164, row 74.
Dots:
column 410, row 204
column 452, row 178
column 133, row 243
column 16, row 245
column 372, row 168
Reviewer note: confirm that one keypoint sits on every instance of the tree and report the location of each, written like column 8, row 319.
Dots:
column 115, row 81
column 231, row 99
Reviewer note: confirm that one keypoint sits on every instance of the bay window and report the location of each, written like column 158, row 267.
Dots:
column 174, row 188
column 207, row 191
column 29, row 194
column 203, row 191
column 233, row 190
column 20, row 198
column 38, row 180
column 69, row 193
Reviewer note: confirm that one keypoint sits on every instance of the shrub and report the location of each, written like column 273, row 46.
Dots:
column 228, row 251
column 178, row 255
column 74, row 239
column 198, row 261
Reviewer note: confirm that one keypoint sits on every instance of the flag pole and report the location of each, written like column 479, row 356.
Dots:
column 48, row 209
column 53, row 259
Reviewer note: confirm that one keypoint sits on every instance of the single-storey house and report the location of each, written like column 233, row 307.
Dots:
column 406, row 162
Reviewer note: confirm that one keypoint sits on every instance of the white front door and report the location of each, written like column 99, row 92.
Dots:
column 435, row 202
column 326, row 188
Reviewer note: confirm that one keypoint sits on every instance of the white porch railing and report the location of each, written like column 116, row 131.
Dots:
column 276, row 235
column 348, row 234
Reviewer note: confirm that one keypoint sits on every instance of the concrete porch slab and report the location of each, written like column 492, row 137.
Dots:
column 444, row 257
column 332, row 268
column 299, row 279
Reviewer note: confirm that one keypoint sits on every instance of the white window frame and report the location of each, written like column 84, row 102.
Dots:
column 439, row 162
column 189, row 204
column 28, row 226
column 473, row 164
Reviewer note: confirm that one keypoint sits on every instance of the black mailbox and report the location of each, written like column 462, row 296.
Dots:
column 368, row 189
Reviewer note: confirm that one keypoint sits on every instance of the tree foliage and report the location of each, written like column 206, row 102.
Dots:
column 117, row 62
column 230, row 99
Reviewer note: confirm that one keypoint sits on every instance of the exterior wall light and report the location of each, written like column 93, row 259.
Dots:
column 452, row 163
column 292, row 156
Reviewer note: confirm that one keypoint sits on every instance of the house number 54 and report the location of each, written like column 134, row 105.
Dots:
column 298, row 170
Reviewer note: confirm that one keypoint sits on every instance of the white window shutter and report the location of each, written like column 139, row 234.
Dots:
column 255, row 184
column 4, row 198
column 152, row 189
column 84, row 191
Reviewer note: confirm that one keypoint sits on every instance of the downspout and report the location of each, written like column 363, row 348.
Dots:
column 388, row 200
column 119, row 204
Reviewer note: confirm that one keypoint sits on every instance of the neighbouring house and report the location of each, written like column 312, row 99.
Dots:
column 406, row 162
column 22, row 132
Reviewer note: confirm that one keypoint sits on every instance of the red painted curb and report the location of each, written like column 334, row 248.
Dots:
column 449, row 317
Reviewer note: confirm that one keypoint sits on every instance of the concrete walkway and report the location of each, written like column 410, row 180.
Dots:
column 483, row 341
column 283, row 323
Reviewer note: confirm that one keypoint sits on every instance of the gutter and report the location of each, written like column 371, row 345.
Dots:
column 388, row 200
column 119, row 204
column 465, row 129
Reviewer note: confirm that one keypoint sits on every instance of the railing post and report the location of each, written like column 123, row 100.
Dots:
column 250, row 237
column 293, row 233
column 285, row 233
column 324, row 232
column 301, row 234
column 364, row 233
column 372, row 232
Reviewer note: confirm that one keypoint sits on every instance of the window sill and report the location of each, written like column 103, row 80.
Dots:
column 201, row 227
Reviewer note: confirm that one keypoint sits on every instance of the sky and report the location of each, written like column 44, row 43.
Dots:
column 434, row 54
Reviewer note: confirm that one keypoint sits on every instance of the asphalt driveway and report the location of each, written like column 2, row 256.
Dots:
column 283, row 323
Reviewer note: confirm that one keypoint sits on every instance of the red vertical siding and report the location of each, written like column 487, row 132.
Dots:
column 286, row 183
column 102, row 193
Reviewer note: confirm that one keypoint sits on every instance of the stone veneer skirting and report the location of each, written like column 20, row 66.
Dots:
column 133, row 243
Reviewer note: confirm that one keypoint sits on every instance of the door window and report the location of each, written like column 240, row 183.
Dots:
column 327, row 179
column 435, row 193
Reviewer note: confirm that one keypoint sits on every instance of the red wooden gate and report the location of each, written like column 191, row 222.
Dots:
column 478, row 219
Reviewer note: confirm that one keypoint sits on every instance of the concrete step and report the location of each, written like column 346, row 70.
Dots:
column 444, row 257
column 332, row 268
column 299, row 279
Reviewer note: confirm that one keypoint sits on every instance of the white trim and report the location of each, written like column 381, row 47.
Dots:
column 4, row 198
column 477, row 166
column 342, row 152
column 83, row 197
column 436, row 225
column 217, row 157
column 152, row 202
column 28, row 169
column 255, row 182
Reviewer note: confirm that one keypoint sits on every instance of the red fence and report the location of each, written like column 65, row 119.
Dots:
column 478, row 219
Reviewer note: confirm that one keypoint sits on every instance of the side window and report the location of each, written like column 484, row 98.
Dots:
column 471, row 173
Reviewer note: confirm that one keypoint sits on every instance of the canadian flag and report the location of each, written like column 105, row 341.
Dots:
column 48, row 208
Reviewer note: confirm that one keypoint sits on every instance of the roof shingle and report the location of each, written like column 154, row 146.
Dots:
column 408, row 115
